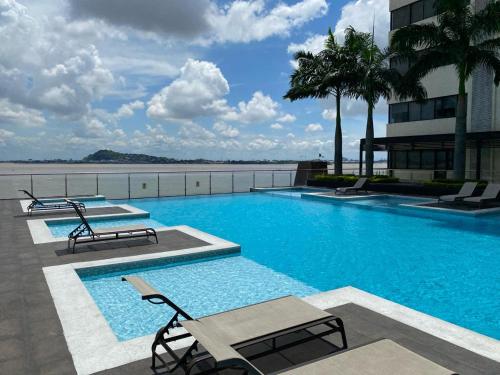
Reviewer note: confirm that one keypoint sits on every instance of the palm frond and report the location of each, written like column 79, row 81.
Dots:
column 486, row 59
column 486, row 23
column 413, row 37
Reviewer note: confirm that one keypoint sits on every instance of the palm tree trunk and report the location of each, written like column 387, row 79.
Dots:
column 460, row 133
column 338, row 137
column 369, row 142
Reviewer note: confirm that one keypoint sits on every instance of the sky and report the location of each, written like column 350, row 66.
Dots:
column 178, row 78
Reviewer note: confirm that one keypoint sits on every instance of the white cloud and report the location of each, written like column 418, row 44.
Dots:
column 260, row 108
column 276, row 126
column 312, row 128
column 286, row 118
column 314, row 44
column 262, row 143
column 290, row 135
column 43, row 68
column 361, row 14
column 127, row 110
column 329, row 114
column 246, row 21
column 198, row 91
column 5, row 136
column 16, row 114
column 226, row 130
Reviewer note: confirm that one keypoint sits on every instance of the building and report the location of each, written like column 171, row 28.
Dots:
column 420, row 136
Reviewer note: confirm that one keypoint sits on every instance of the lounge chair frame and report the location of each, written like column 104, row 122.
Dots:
column 466, row 191
column 37, row 205
column 488, row 196
column 188, row 360
column 83, row 233
column 354, row 188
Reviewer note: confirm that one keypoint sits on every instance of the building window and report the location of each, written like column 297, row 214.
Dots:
column 412, row 13
column 430, row 109
column 421, row 159
column 398, row 112
column 400, row 17
column 445, row 107
column 417, row 11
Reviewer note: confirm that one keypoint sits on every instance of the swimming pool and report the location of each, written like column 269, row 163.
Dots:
column 224, row 282
column 448, row 268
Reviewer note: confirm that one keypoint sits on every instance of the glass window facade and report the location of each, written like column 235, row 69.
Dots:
column 430, row 109
column 412, row 13
column 421, row 159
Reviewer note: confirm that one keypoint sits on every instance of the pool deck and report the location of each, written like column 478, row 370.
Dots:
column 32, row 339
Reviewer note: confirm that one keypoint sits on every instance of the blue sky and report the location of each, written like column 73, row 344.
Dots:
column 178, row 78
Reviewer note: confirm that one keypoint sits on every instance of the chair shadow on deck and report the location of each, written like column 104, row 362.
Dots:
column 274, row 361
column 103, row 246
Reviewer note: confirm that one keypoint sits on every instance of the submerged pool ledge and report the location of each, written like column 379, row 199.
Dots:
column 91, row 342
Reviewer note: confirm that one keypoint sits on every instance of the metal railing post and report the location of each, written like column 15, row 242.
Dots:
column 185, row 183
column 158, row 182
column 129, row 186
column 272, row 184
column 66, row 185
column 232, row 182
column 290, row 179
column 254, row 179
column 97, row 184
column 31, row 183
column 210, row 182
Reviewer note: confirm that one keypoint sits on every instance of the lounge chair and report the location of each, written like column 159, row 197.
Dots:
column 359, row 185
column 224, row 333
column 38, row 205
column 490, row 194
column 221, row 335
column 84, row 233
column 465, row 192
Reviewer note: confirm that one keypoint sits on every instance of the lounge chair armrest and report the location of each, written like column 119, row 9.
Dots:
column 146, row 290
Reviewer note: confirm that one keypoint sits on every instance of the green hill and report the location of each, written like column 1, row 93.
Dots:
column 109, row 156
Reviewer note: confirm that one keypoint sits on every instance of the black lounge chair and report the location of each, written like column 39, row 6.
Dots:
column 84, row 233
column 359, row 185
column 490, row 194
column 466, row 191
column 229, row 331
column 37, row 205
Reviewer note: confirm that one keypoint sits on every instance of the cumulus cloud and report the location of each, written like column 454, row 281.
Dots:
column 127, row 110
column 262, row 143
column 361, row 14
column 226, row 130
column 198, row 91
column 312, row 128
column 287, row 118
column 42, row 69
column 314, row 44
column 246, row 21
column 276, row 126
column 16, row 114
column 185, row 18
column 329, row 114
column 203, row 20
column 258, row 109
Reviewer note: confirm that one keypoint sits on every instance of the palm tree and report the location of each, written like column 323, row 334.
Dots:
column 328, row 73
column 376, row 80
column 462, row 38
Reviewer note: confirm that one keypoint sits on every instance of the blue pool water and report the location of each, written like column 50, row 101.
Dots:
column 62, row 230
column 293, row 193
column 239, row 281
column 448, row 268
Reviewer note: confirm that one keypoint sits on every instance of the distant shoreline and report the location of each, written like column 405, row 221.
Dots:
column 7, row 168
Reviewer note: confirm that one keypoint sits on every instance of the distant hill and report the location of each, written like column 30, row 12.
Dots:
column 109, row 156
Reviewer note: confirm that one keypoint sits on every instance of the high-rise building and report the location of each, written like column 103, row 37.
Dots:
column 420, row 135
